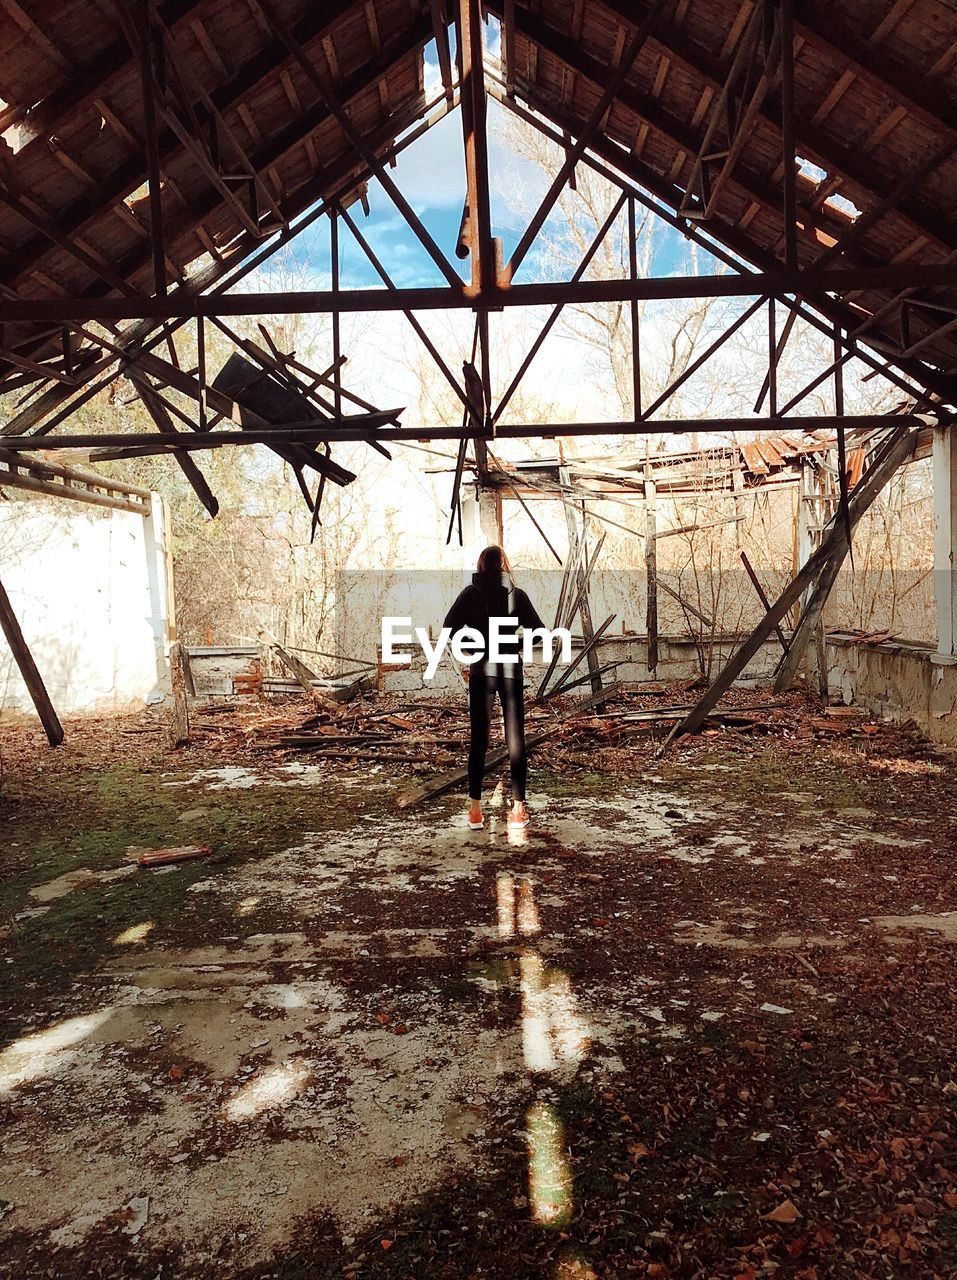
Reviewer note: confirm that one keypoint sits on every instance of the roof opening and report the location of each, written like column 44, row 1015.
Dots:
column 841, row 204
column 807, row 169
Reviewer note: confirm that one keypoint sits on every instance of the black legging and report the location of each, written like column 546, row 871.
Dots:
column 485, row 680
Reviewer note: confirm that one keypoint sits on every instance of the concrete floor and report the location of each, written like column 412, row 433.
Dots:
column 367, row 1043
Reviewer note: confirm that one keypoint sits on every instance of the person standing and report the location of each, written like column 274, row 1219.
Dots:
column 493, row 594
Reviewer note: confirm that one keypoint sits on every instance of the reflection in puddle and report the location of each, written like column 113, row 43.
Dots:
column 516, row 907
column 526, row 911
column 549, row 1175
column 552, row 1031
column 505, row 904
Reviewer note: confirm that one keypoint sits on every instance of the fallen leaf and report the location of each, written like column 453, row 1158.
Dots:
column 786, row 1211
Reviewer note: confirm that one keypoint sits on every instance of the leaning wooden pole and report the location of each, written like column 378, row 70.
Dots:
column 28, row 669
column 812, row 615
column 894, row 451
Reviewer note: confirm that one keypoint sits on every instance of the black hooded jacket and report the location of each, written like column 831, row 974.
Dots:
column 491, row 595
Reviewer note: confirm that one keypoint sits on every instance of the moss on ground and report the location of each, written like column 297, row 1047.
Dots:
column 100, row 818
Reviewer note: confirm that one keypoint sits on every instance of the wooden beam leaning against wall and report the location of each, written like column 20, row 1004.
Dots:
column 28, row 670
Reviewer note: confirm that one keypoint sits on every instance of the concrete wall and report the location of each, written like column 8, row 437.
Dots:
column 899, row 682
column 90, row 590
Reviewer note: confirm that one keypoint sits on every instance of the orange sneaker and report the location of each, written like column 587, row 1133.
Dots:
column 518, row 816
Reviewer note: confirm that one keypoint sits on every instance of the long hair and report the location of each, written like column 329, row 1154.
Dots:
column 494, row 560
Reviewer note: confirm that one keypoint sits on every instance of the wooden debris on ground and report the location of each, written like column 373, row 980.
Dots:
column 431, row 734
column 163, row 857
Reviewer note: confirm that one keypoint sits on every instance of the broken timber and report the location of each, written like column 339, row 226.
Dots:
column 447, row 781
column 762, row 596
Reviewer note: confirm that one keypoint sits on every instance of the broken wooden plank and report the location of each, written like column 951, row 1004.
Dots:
column 586, row 651
column 695, row 613
column 163, row 857
column 29, row 671
column 306, row 677
column 582, row 603
column 575, row 684
column 890, row 455
column 163, row 421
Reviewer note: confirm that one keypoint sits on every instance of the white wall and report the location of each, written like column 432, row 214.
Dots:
column 89, row 588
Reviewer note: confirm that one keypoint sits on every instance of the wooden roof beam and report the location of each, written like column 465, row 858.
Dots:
column 646, row 108
column 806, row 282
column 233, row 264
column 86, row 83
column 722, row 245
column 936, row 224
column 922, row 96
column 294, row 136
column 129, row 175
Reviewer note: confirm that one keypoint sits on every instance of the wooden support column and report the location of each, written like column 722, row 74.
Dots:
column 28, row 669
column 651, row 570
column 635, row 317
column 490, row 515
column 477, row 219
column 145, row 51
column 179, row 728
column 468, row 25
column 575, row 556
column 945, row 540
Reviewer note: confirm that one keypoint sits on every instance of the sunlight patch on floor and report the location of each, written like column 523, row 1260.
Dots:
column 44, row 1052
column 271, row 1088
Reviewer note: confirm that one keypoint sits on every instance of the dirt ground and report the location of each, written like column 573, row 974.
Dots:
column 698, row 1021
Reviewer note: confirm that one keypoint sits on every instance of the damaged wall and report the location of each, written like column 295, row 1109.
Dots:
column 90, row 589
column 897, row 681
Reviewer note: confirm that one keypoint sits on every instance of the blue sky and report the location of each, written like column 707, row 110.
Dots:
column 431, row 175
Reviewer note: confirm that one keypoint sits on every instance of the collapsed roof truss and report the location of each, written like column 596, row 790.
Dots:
column 142, row 136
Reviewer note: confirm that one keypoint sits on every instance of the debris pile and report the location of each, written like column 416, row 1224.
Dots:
column 613, row 729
